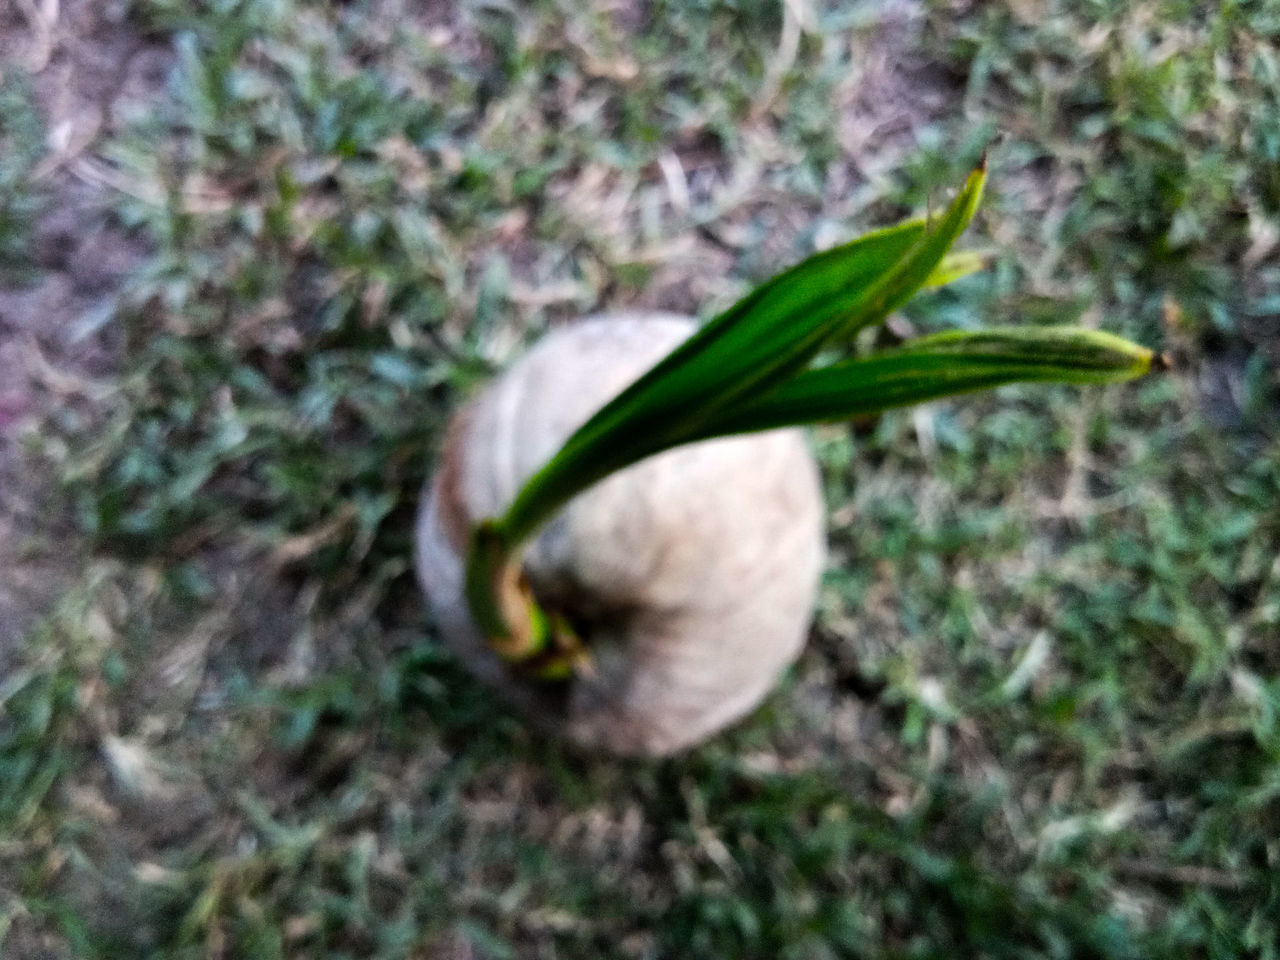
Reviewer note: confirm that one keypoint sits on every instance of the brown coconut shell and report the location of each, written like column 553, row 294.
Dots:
column 691, row 574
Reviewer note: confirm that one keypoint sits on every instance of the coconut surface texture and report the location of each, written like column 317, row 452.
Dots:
column 691, row 574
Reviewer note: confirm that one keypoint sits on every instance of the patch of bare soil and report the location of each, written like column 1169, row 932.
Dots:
column 86, row 63
column 889, row 94
column 893, row 93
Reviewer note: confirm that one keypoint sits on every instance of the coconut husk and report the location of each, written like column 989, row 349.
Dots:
column 691, row 574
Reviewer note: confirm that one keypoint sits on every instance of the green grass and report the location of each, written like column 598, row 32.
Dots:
column 21, row 146
column 1038, row 717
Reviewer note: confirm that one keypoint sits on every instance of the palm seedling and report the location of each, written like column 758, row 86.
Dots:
column 624, row 534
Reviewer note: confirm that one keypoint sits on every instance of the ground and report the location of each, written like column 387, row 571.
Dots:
column 71, row 76
column 252, row 253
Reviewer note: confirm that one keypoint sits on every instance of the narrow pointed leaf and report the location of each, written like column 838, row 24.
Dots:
column 767, row 337
column 909, row 274
column 939, row 366
column 770, row 334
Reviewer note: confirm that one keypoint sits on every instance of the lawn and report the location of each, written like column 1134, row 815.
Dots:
column 1039, row 713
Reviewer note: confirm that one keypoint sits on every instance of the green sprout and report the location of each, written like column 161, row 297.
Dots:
column 749, row 369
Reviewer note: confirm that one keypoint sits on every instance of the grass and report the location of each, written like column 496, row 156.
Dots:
column 1038, row 716
column 21, row 138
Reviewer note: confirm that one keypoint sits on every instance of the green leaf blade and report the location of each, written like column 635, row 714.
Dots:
column 774, row 329
column 764, row 339
column 939, row 366
column 915, row 269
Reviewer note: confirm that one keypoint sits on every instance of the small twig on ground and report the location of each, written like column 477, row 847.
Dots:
column 797, row 17
column 59, row 381
column 43, row 21
column 1189, row 874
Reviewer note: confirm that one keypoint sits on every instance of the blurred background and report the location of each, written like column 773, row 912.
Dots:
column 252, row 253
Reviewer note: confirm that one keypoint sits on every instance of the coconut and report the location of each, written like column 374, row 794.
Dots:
column 690, row 575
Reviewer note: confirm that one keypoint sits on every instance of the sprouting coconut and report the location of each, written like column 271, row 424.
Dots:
column 624, row 532
column 691, row 574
